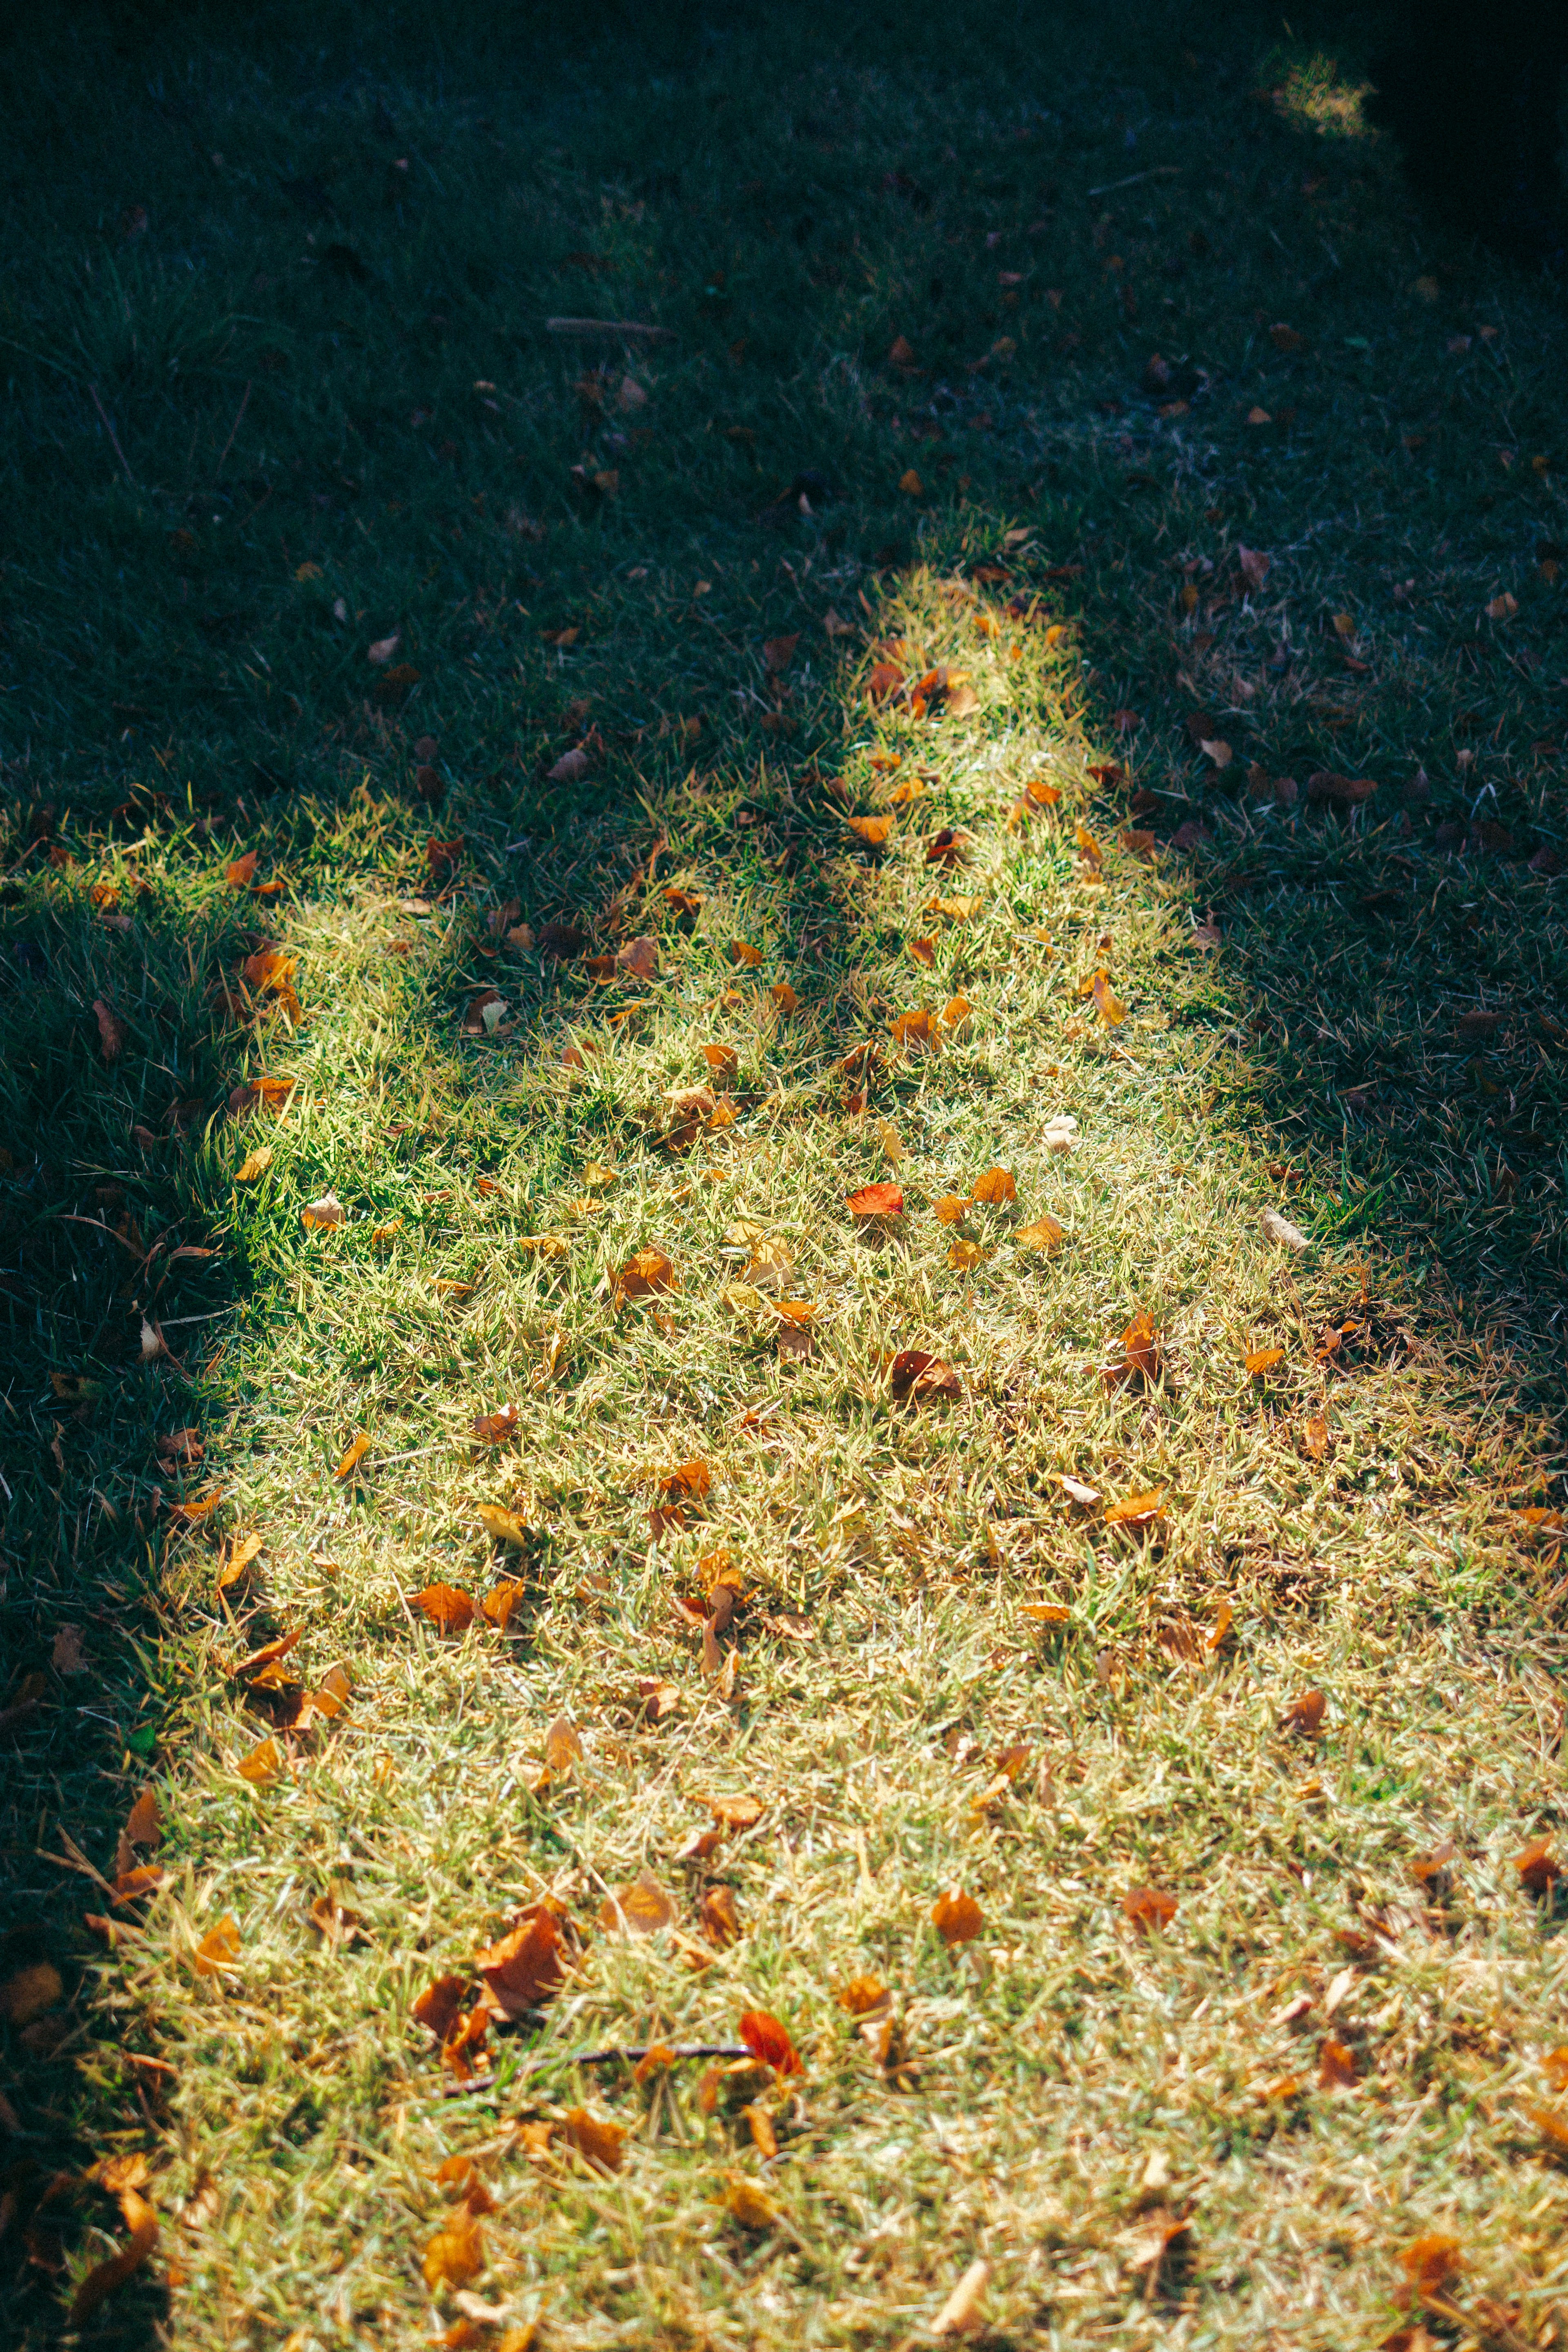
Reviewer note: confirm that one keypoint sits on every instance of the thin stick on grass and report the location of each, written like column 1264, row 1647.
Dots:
column 113, row 436
column 233, row 428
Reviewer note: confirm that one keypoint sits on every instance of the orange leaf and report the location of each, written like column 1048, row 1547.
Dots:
column 720, row 1920
column 688, row 1482
column 1149, row 1907
column 1107, row 1003
column 263, row 1764
column 1043, row 1234
column 1432, row 2264
column 642, row 1275
column 495, row 1428
column 524, row 1967
column 996, row 1187
column 742, row 952
column 878, row 1201
column 769, row 2042
column 864, row 1997
column 917, row 1032
column 948, row 1210
column 356, row 1452
column 456, row 2254
column 143, row 1823
column 1264, row 1360
column 957, row 1917
column 449, row 1609
column 784, row 997
column 1538, row 1867
column 1336, row 2066
column 115, row 2269
column 1135, row 1510
column 501, row 1599
column 601, row 2142
column 562, row 1748
column 955, row 1013
column 440, row 2005
column 1142, row 1353
column 736, row 1813
column 219, row 1947
column 923, row 952
column 241, row 872
column 1304, row 1716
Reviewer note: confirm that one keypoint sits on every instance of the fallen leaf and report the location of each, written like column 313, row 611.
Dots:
column 1149, row 1907
column 240, row 873
column 456, row 2253
column 527, row 1965
column 501, row 1601
column 749, row 2205
column 769, row 2042
column 1107, row 1003
column 955, row 1013
column 449, row 1609
column 1061, row 1132
column 543, row 1244
column 1135, row 1510
column 961, row 2314
column 911, row 485
column 1538, row 1867
column 1044, row 1235
column 742, row 951
column 642, row 1275
column 779, row 652
column 641, row 1908
column 143, row 1824
column 1503, row 607
column 720, row 1921
column 1277, row 1228
column 784, row 997
column 111, row 2273
column 320, row 1216
column 1432, row 2264
column 255, row 1164
column 1315, row 1436
column 601, row 2142
column 111, row 1031
column 639, row 957
column 1304, row 1716
column 219, row 1947
column 264, row 1763
column 65, row 1651
column 495, row 1428
column 963, row 1255
column 1255, row 565
column 957, row 1917
column 1263, row 1359
column 504, row 1525
column 358, row 1448
column 1336, row 2066
column 30, row 1993
column 1341, row 791
column 570, row 767
column 883, row 1200
column 1142, row 1353
column 916, row 1033
column 1076, row 1490
column 913, row 1374
column 995, row 1189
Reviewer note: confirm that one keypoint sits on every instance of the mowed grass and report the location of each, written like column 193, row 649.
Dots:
column 318, row 376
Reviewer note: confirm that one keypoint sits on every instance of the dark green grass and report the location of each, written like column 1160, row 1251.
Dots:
column 328, row 379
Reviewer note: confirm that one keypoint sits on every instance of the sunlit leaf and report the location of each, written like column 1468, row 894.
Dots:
column 1263, row 1359
column 354, row 1454
column 1304, row 1716
column 111, row 2273
column 255, row 1164
column 456, row 2254
column 719, row 1919
column 1432, row 2264
column 995, row 1189
column 769, row 2042
column 957, row 1919
column 526, row 1966
column 320, row 1216
column 640, row 1908
column 1043, row 1234
column 1149, row 1907
column 963, row 1255
column 496, row 1428
column 742, row 952
column 218, row 1949
column 914, row 1374
column 881, row 1200
column 1135, row 1510
column 642, row 1275
column 595, row 2139
column 749, row 2205
column 449, row 1609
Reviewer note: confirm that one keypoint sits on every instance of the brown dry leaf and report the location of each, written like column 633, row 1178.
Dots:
column 30, row 1993
column 601, row 2142
column 917, row 1032
column 1107, row 1003
column 501, row 1601
column 495, row 1428
column 769, row 2041
column 525, row 1966
column 760, row 2124
column 950, row 1209
column 543, row 1244
column 358, row 1448
column 883, row 1200
column 1215, row 1638
column 1143, row 1352
column 961, row 2314
column 749, row 2205
column 456, row 2254
column 439, row 2006
column 923, row 952
column 1538, row 1867
column 1263, row 1359
column 963, row 1255
column 1304, row 1716
column 111, row 1031
column 1336, row 2066
column 240, row 873
column 996, row 1187
column 254, row 1164
column 641, row 1908
column 719, row 1919
column 784, row 997
column 742, row 952
column 449, row 1609
column 1135, row 1510
column 649, row 1271
column 322, row 1215
column 503, row 1526
column 1315, row 1436
column 1149, row 1907
column 638, row 957
column 104, row 2277
column 562, row 1747
column 914, row 1374
column 1043, row 1234
column 1432, row 2264
column 264, row 1763
column 143, row 1824
column 689, row 1482
column 736, row 1813
column 219, row 1947
column 1551, row 2123
column 957, row 1917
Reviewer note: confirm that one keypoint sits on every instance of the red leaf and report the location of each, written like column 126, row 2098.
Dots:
column 769, row 2042
column 878, row 1201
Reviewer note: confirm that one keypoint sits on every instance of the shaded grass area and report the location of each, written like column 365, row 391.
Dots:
column 308, row 406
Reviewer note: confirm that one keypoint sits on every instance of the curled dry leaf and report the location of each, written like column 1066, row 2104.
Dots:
column 503, row 1527
column 955, row 1013
column 769, row 2042
column 641, row 1908
column 321, row 1216
column 957, row 1917
column 449, row 1609
column 784, row 997
column 456, row 2254
column 1076, row 1490
column 638, row 957
column 963, row 1255
column 1136, row 1510
column 240, row 871
column 917, row 1032
column 750, row 2206
column 104, row 2277
column 1263, row 1359
column 501, row 1601
column 495, row 1428
column 1277, row 1228
column 1061, row 1132
column 1142, row 1353
column 527, row 1965
column 720, row 1921
column 1148, row 1907
column 354, row 1454
column 642, row 1275
column 950, row 1209
column 1042, row 1235
column 1538, row 1867
column 218, row 1949
column 1107, row 1003
column 441, row 2005
column 914, row 1374
column 254, row 1164
column 961, row 2314
column 111, row 1031
column 1336, row 2066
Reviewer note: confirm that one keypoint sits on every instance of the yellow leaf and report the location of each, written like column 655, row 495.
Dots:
column 456, row 2254
column 1044, row 1235
column 503, row 1527
column 355, row 1454
column 948, row 1210
column 543, row 1244
column 749, row 2205
column 219, row 1947
column 255, row 1164
column 996, row 1187
column 964, row 1256
column 263, row 1764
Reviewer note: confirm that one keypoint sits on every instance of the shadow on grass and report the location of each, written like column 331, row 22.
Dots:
column 1386, row 1011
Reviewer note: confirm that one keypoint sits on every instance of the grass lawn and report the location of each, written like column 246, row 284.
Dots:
column 781, row 1208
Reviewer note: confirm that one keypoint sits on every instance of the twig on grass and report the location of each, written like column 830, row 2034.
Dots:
column 113, row 436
